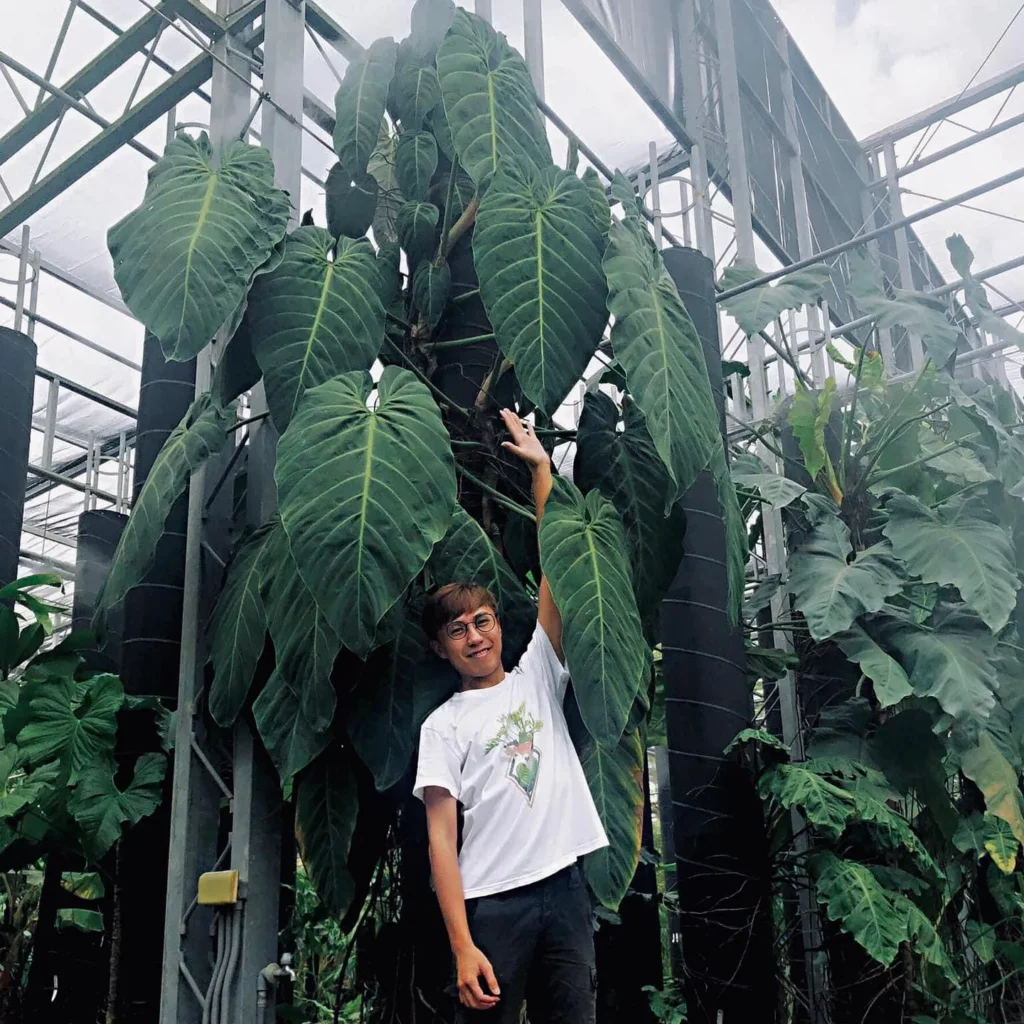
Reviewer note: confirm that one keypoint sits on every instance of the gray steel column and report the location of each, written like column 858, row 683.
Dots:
column 739, row 179
column 483, row 8
column 694, row 118
column 906, row 274
column 533, row 35
column 867, row 204
column 805, row 243
column 196, row 795
column 256, row 820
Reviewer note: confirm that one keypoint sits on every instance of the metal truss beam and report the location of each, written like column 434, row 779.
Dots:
column 957, row 147
column 918, row 122
column 141, row 116
column 331, row 32
column 101, row 67
column 868, row 236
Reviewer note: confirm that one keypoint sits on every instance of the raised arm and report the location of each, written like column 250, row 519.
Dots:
column 527, row 446
column 471, row 964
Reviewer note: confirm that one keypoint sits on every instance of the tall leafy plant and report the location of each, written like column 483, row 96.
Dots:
column 902, row 597
column 488, row 278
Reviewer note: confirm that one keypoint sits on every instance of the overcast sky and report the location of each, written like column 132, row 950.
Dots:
column 881, row 60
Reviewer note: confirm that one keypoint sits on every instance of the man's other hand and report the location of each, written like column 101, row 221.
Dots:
column 471, row 965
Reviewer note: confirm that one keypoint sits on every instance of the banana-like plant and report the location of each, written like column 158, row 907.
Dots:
column 902, row 599
column 488, row 277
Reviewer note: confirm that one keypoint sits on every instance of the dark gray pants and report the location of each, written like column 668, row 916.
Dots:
column 540, row 941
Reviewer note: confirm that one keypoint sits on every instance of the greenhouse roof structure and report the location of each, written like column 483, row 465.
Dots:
column 91, row 91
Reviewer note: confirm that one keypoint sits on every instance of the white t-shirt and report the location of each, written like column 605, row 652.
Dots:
column 504, row 752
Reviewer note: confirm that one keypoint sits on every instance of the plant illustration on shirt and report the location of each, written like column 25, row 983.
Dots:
column 515, row 735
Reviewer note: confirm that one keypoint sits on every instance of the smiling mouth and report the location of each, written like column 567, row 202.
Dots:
column 479, row 654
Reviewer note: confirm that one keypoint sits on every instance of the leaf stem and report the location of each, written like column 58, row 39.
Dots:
column 895, row 435
column 465, row 296
column 435, row 390
column 462, row 225
column 245, row 423
column 495, row 494
column 461, row 342
column 919, row 462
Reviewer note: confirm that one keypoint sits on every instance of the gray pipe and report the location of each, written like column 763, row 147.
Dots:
column 218, row 964
column 234, row 950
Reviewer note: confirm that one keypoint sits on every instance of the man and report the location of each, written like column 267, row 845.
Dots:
column 514, row 901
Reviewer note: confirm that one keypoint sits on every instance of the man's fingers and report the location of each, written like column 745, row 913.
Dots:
column 492, row 981
column 475, row 996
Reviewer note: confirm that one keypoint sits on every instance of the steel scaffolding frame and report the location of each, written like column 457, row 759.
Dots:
column 245, row 40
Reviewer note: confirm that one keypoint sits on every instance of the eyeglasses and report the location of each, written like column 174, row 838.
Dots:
column 483, row 623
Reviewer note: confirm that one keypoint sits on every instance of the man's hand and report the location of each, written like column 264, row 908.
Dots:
column 471, row 965
column 525, row 442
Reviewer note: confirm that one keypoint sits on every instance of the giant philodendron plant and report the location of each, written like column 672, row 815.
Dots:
column 487, row 264
column 904, row 575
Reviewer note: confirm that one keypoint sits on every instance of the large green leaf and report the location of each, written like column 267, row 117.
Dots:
column 184, row 259
column 305, row 646
column 489, row 99
column 415, row 163
column 749, row 472
column 1001, row 842
column 660, row 351
column 831, row 587
column 920, row 314
column 101, row 808
column 808, row 416
column 826, row 805
column 290, row 739
column 201, row 434
column 315, row 317
column 961, row 256
column 735, row 526
column 325, row 818
column 951, row 662
column 389, row 196
column 238, row 630
column 380, row 723
column 364, row 495
column 891, row 684
column 430, row 21
column 583, row 556
column 958, row 544
column 351, row 205
column 359, row 105
column 624, row 465
column 984, row 765
column 431, row 285
column 616, row 780
column 756, row 308
column 877, row 918
column 599, row 201
column 537, row 250
column 75, row 723
column 415, row 92
column 416, row 225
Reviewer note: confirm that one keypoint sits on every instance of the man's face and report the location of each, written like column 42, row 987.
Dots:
column 472, row 643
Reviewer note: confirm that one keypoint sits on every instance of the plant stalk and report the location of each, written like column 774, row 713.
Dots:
column 495, row 494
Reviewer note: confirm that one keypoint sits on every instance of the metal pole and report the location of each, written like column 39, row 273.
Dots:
column 694, row 118
column 957, row 147
column 801, row 212
column 195, row 799
column 483, row 8
column 50, row 423
column 906, row 274
column 655, row 185
column 33, row 294
column 739, row 179
column 23, row 258
column 868, row 236
column 533, row 35
column 869, row 169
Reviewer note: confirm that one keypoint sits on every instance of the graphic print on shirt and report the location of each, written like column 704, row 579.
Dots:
column 515, row 736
